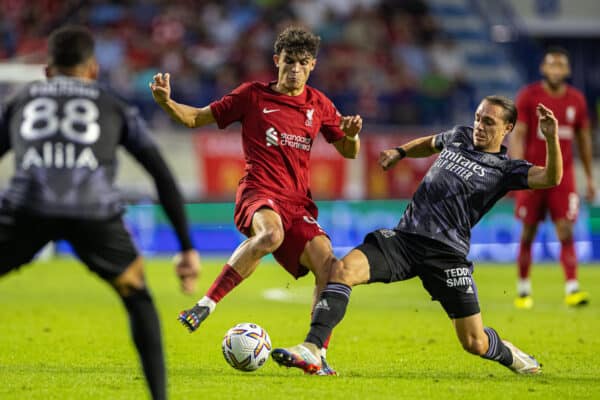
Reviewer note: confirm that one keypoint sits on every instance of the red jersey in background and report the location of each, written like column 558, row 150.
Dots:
column 571, row 111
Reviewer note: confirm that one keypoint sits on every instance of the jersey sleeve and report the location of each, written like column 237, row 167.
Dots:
column 523, row 104
column 136, row 135
column 4, row 134
column 516, row 173
column 441, row 139
column 231, row 107
column 330, row 125
column 583, row 117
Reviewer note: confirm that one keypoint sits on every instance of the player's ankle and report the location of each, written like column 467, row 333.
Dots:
column 313, row 348
column 524, row 287
column 207, row 302
column 571, row 286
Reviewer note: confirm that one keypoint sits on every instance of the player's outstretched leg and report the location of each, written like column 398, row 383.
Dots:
column 223, row 284
column 304, row 356
column 145, row 330
column 574, row 296
column 524, row 300
column 328, row 312
column 485, row 342
column 522, row 363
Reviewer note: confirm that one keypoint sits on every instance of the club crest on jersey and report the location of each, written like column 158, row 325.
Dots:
column 309, row 117
column 387, row 233
column 272, row 137
column 570, row 114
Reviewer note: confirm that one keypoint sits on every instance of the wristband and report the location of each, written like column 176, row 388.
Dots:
column 401, row 151
column 352, row 138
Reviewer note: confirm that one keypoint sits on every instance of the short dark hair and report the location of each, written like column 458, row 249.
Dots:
column 70, row 46
column 556, row 50
column 296, row 40
column 510, row 110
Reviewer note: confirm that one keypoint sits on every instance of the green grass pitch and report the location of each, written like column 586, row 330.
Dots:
column 64, row 335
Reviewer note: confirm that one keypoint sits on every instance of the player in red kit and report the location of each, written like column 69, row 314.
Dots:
column 561, row 202
column 274, row 209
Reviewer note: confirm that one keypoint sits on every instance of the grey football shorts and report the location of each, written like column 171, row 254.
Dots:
column 446, row 274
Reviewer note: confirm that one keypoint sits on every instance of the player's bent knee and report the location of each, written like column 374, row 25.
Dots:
column 131, row 280
column 527, row 236
column 322, row 274
column 270, row 240
column 564, row 232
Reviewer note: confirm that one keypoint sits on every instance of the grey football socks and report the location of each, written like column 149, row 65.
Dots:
column 328, row 312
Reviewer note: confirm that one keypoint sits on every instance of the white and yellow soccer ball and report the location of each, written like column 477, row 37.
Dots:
column 246, row 347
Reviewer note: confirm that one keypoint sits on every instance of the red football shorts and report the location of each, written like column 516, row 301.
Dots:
column 562, row 202
column 299, row 224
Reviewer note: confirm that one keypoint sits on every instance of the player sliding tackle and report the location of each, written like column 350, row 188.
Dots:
column 432, row 239
column 274, row 208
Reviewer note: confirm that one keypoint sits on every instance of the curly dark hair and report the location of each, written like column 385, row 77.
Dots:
column 296, row 40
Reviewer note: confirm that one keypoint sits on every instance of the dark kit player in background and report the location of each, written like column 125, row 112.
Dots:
column 432, row 239
column 64, row 133
column 274, row 207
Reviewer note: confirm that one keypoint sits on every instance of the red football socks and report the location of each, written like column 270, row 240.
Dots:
column 326, row 343
column 568, row 259
column 225, row 282
column 524, row 259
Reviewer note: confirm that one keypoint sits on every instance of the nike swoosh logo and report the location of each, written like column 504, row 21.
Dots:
column 267, row 111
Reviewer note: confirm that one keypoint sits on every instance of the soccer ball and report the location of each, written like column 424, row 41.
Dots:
column 246, row 347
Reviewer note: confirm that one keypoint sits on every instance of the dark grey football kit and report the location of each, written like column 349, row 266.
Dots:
column 64, row 133
column 432, row 239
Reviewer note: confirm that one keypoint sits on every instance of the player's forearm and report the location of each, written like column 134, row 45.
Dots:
column 554, row 163
column 421, row 147
column 516, row 143
column 168, row 192
column 173, row 204
column 350, row 147
column 584, row 143
column 184, row 114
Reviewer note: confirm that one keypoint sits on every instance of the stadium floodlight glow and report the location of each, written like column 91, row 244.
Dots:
column 501, row 33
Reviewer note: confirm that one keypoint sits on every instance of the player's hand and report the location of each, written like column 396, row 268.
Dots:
column 590, row 193
column 161, row 87
column 388, row 158
column 187, row 268
column 547, row 121
column 351, row 125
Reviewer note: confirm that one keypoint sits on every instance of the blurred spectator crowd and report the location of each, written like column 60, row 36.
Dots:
column 384, row 59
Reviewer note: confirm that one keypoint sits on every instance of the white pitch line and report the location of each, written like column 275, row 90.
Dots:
column 286, row 296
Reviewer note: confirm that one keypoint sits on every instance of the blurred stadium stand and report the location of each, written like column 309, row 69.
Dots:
column 409, row 67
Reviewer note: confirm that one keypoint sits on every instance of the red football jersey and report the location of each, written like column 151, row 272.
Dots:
column 278, row 132
column 571, row 111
